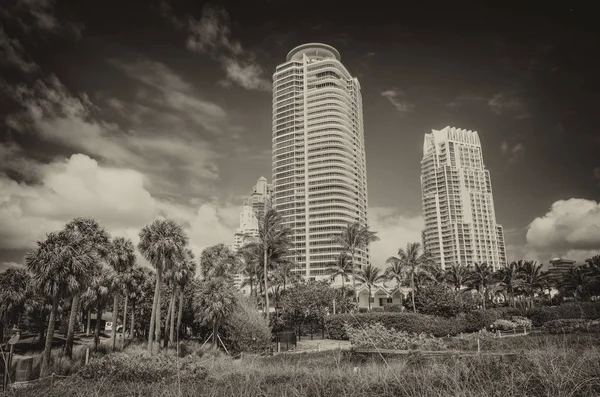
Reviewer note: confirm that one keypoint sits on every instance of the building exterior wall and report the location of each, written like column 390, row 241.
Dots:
column 458, row 203
column 319, row 164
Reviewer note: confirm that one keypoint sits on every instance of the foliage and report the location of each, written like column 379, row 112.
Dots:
column 512, row 324
column 439, row 300
column 575, row 325
column 214, row 301
column 395, row 307
column 376, row 335
column 408, row 322
column 585, row 310
column 307, row 303
column 246, row 329
column 218, row 261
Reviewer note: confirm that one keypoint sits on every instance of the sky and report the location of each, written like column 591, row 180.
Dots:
column 126, row 111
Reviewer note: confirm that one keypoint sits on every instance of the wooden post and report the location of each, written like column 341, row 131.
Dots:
column 87, row 355
column 278, row 347
column 52, row 379
column 478, row 346
column 319, row 347
column 333, row 305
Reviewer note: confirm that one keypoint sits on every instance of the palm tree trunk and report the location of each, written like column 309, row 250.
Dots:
column 215, row 329
column 483, row 297
column 266, row 286
column 153, row 315
column 132, row 328
column 166, row 335
column 354, row 279
column 369, row 297
column 125, row 317
column 172, row 325
column 157, row 323
column 412, row 290
column 97, row 329
column 180, row 312
column 89, row 323
column 45, row 366
column 71, row 328
column 115, row 315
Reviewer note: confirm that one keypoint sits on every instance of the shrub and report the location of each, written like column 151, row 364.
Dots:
column 393, row 308
column 570, row 310
column 376, row 335
column 409, row 322
column 439, row 300
column 120, row 367
column 568, row 326
column 504, row 325
column 477, row 320
column 377, row 309
column 246, row 330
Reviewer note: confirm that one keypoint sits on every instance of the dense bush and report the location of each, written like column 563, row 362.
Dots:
column 571, row 310
column 246, row 330
column 512, row 324
column 409, row 322
column 393, row 308
column 121, row 367
column 568, row 326
column 440, row 300
column 376, row 335
column 477, row 320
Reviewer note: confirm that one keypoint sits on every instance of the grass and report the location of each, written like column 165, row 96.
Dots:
column 554, row 365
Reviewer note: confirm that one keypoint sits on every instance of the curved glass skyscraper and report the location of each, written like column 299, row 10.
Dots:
column 319, row 166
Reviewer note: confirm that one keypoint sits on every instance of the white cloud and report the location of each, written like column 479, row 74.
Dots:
column 394, row 230
column 212, row 35
column 13, row 54
column 43, row 14
column 514, row 152
column 509, row 103
column 9, row 265
column 570, row 228
column 116, row 197
column 402, row 105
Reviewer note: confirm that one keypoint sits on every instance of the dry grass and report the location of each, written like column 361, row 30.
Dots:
column 550, row 366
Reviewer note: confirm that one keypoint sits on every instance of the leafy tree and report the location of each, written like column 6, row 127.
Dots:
column 342, row 267
column 510, row 280
column 355, row 237
column 481, row 279
column 13, row 294
column 214, row 302
column 439, row 300
column 308, row 303
column 414, row 262
column 55, row 265
column 371, row 276
column 121, row 258
column 98, row 296
column 163, row 244
column 532, row 279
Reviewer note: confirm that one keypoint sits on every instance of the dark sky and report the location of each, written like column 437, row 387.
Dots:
column 127, row 110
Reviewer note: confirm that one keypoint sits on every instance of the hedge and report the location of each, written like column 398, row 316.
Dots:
column 409, row 322
column 571, row 310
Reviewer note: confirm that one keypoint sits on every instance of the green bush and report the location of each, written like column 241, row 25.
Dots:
column 408, row 322
column 376, row 335
column 246, row 330
column 377, row 309
column 477, row 320
column 570, row 310
column 439, row 300
column 512, row 324
column 568, row 326
column 393, row 308
column 120, row 367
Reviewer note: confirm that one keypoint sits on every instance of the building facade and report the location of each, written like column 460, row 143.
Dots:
column 458, row 203
column 319, row 164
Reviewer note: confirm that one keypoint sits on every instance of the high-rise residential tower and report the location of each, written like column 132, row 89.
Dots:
column 458, row 205
column 319, row 166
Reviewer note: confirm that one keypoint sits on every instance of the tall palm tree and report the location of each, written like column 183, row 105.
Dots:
column 13, row 294
column 163, row 244
column 121, row 259
column 355, row 237
column 272, row 244
column 214, row 301
column 284, row 273
column 510, row 280
column 249, row 266
column 342, row 267
column 370, row 275
column 218, row 261
column 532, row 279
column 414, row 262
column 577, row 282
column 184, row 276
column 96, row 243
column 140, row 278
column 481, row 279
column 457, row 275
column 55, row 265
column 98, row 296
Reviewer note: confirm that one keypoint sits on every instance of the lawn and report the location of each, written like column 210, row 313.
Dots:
column 547, row 365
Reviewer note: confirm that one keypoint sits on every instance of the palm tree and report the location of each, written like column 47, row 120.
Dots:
column 481, row 279
column 184, row 276
column 510, row 280
column 98, row 296
column 342, row 267
column 163, row 244
column 249, row 268
column 414, row 262
column 140, row 279
column 272, row 244
column 370, row 275
column 55, row 266
column 218, row 261
column 13, row 294
column 578, row 282
column 456, row 275
column 121, row 258
column 355, row 237
column 214, row 301
column 532, row 279
column 97, row 244
column 284, row 273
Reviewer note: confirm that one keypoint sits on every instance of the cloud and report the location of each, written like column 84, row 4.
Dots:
column 13, row 54
column 43, row 16
column 394, row 230
column 514, row 152
column 509, row 103
column 212, row 35
column 402, row 105
column 570, row 228
column 116, row 197
column 9, row 265
column 169, row 130
column 596, row 174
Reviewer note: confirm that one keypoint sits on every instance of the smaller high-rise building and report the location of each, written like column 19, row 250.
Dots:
column 253, row 209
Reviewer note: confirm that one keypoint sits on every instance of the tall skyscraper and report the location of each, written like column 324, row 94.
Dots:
column 458, row 205
column 319, row 166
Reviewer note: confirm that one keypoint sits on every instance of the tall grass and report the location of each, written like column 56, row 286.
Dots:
column 545, row 367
